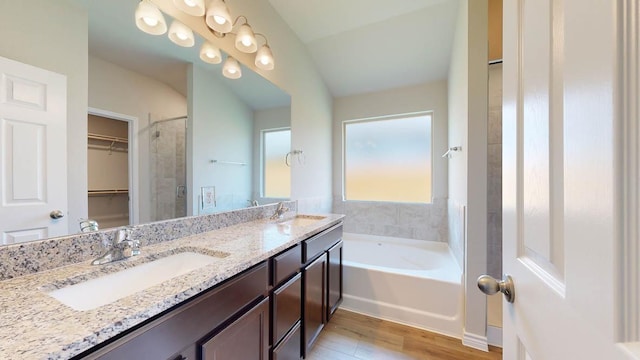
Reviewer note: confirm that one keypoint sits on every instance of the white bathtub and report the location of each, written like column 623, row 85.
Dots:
column 413, row 282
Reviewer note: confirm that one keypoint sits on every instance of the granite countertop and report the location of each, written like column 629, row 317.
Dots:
column 34, row 325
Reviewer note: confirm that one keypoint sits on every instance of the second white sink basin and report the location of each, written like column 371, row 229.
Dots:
column 302, row 220
column 106, row 289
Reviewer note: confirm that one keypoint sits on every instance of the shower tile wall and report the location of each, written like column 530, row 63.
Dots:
column 412, row 221
column 168, row 169
column 494, row 173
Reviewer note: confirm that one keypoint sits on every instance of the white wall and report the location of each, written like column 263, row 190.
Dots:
column 468, row 169
column 220, row 127
column 123, row 91
column 295, row 73
column 426, row 222
column 274, row 118
column 33, row 32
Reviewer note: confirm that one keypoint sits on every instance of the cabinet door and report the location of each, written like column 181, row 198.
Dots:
column 315, row 308
column 334, row 279
column 245, row 339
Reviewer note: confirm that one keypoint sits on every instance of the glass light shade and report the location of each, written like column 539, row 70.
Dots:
column 246, row 39
column 231, row 68
column 210, row 54
column 264, row 58
column 181, row 34
column 149, row 19
column 218, row 17
column 191, row 7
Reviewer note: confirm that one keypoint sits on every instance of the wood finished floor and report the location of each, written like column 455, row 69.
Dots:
column 351, row 336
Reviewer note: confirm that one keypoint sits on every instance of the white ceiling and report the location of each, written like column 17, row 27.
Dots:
column 362, row 46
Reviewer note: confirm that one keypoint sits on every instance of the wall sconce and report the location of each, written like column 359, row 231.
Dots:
column 219, row 21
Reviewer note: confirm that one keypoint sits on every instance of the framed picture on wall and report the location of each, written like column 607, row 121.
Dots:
column 208, row 197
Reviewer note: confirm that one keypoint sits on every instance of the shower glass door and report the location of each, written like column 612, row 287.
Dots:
column 168, row 169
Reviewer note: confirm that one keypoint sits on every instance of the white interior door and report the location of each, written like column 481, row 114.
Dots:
column 33, row 153
column 561, row 205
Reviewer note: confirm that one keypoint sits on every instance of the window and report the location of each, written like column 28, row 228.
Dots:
column 388, row 159
column 276, row 175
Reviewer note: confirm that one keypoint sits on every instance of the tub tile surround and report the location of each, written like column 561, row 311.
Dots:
column 411, row 221
column 41, row 327
column 456, row 223
column 32, row 257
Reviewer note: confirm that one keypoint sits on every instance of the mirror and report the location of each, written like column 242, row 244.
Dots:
column 194, row 133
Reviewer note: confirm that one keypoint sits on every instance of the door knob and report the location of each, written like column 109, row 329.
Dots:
column 56, row 214
column 490, row 286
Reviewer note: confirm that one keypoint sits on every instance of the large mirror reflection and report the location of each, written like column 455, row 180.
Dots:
column 166, row 134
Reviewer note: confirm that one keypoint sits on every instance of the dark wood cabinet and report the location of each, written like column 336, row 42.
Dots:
column 185, row 325
column 315, row 284
column 275, row 310
column 245, row 339
column 334, row 279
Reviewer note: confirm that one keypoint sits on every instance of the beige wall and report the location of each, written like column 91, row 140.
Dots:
column 33, row 31
column 295, row 73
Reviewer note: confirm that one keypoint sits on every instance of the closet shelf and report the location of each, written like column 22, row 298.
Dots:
column 107, row 138
column 108, row 192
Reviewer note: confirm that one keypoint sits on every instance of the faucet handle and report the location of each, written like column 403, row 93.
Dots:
column 134, row 244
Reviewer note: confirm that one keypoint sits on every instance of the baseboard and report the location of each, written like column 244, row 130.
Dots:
column 475, row 341
column 494, row 335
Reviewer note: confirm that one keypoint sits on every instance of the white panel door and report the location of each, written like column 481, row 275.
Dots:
column 561, row 203
column 33, row 152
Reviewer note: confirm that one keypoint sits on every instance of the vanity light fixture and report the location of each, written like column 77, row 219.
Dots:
column 181, row 35
column 264, row 58
column 210, row 54
column 219, row 22
column 191, row 7
column 231, row 68
column 246, row 39
column 149, row 18
column 218, row 17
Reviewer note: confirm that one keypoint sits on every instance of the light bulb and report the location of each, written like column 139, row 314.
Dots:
column 150, row 21
column 264, row 60
column 190, row 3
column 246, row 41
column 210, row 54
column 182, row 36
column 219, row 19
column 232, row 71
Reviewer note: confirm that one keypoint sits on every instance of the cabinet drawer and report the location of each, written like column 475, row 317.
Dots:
column 286, row 264
column 287, row 307
column 162, row 337
column 314, row 246
column 289, row 348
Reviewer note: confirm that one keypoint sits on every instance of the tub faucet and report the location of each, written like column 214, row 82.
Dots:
column 280, row 210
column 122, row 247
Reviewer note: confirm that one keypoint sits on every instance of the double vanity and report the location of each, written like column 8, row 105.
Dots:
column 261, row 289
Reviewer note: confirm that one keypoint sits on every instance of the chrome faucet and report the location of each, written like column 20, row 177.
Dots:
column 122, row 247
column 280, row 210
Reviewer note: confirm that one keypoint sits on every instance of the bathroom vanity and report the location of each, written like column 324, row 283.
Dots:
column 267, row 297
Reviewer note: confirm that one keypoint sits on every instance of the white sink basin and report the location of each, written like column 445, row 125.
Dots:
column 106, row 289
column 302, row 220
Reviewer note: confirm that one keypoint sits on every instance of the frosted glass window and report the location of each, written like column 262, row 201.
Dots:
column 388, row 159
column 276, row 174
